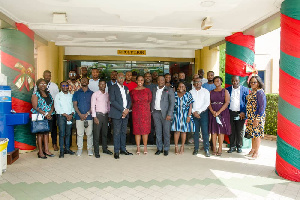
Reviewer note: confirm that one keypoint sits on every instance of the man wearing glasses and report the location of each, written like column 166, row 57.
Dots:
column 64, row 109
column 201, row 98
column 74, row 84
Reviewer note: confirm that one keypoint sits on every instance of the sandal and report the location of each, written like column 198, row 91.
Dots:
column 250, row 154
column 145, row 151
column 176, row 149
column 254, row 156
column 219, row 153
column 138, row 150
column 181, row 150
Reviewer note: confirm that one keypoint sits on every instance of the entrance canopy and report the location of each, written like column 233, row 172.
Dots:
column 153, row 25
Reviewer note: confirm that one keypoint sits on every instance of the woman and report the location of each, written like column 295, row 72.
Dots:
column 256, row 106
column 141, row 116
column 219, row 117
column 42, row 103
column 182, row 121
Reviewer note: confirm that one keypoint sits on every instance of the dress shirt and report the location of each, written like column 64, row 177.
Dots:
column 83, row 102
column 94, row 85
column 100, row 103
column 52, row 88
column 235, row 99
column 122, row 89
column 201, row 99
column 63, row 103
column 158, row 98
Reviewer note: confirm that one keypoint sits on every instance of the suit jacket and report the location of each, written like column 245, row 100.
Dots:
column 116, row 101
column 167, row 101
column 243, row 100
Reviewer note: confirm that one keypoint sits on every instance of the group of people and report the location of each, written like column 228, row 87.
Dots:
column 154, row 106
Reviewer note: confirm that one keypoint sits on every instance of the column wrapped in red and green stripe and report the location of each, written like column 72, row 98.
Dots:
column 239, row 57
column 17, row 63
column 288, row 132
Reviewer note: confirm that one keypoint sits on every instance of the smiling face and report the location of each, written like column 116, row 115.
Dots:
column 102, row 86
column 235, row 81
column 168, row 78
column 181, row 76
column 217, row 82
column 254, row 83
column 197, row 83
column 47, row 77
column 42, row 85
column 95, row 74
column 181, row 88
column 120, row 78
column 148, row 78
column 128, row 76
column 84, row 82
column 140, row 81
column 210, row 76
column 113, row 75
column 161, row 81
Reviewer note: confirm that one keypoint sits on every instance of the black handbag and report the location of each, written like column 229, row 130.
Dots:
column 39, row 126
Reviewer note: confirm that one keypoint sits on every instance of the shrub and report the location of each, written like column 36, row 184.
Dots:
column 271, row 114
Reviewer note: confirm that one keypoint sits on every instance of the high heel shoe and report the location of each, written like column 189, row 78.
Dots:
column 42, row 157
column 254, row 156
column 250, row 154
column 138, row 150
column 145, row 151
column 176, row 150
column 219, row 153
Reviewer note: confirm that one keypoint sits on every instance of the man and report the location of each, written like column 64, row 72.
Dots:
column 181, row 76
column 237, row 109
column 162, row 107
column 175, row 79
column 84, row 73
column 201, row 75
column 168, row 80
column 94, row 82
column 84, row 123
column 148, row 84
column 74, row 84
column 194, row 77
column 134, row 76
column 53, row 89
column 200, row 111
column 154, row 77
column 128, row 83
column 113, row 78
column 120, row 102
column 64, row 110
column 210, row 84
column 100, row 107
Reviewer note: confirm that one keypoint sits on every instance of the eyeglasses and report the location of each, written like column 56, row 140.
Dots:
column 43, row 84
column 195, row 82
column 72, row 74
column 253, row 82
column 65, row 86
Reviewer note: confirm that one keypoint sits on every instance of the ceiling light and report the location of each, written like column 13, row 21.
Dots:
column 206, row 23
column 207, row 3
column 59, row 17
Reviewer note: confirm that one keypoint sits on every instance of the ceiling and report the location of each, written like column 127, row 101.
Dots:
column 161, row 24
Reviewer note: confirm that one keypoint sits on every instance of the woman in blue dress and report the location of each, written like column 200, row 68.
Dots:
column 182, row 120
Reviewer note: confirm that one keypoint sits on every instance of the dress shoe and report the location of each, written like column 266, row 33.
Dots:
column 195, row 152
column 207, row 154
column 69, row 152
column 55, row 147
column 97, row 155
column 108, row 152
column 116, row 156
column 158, row 152
column 61, row 155
column 126, row 153
column 239, row 150
column 232, row 149
column 166, row 153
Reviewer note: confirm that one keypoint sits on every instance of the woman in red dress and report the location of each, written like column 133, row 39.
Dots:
column 141, row 116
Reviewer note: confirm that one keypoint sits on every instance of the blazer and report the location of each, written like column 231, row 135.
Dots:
column 243, row 100
column 167, row 101
column 116, row 101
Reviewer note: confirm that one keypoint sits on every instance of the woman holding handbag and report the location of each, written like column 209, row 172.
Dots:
column 42, row 104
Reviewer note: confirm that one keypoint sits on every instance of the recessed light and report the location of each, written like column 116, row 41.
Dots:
column 207, row 3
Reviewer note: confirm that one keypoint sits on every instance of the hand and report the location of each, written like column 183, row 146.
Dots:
column 126, row 111
column 255, row 123
column 48, row 116
column 214, row 113
column 218, row 113
column 96, row 121
column 168, row 118
column 196, row 115
column 82, row 117
column 242, row 116
column 69, row 117
column 188, row 119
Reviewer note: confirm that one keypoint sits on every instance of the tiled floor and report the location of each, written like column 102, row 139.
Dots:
column 231, row 176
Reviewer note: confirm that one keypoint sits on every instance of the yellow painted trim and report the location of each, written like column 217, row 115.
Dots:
column 127, row 58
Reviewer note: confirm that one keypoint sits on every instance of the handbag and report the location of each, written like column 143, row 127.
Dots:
column 38, row 125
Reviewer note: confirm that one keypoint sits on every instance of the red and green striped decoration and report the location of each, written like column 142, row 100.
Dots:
column 239, row 57
column 288, row 132
column 17, row 63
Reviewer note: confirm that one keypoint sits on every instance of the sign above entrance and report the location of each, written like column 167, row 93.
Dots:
column 131, row 52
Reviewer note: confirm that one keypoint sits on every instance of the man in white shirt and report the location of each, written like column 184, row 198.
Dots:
column 201, row 98
column 94, row 82
column 64, row 110
column 201, row 75
column 237, row 109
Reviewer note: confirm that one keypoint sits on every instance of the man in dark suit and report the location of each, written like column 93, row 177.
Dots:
column 113, row 79
column 120, row 103
column 162, row 107
column 237, row 109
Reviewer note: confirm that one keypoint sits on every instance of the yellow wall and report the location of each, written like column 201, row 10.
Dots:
column 50, row 58
column 207, row 59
